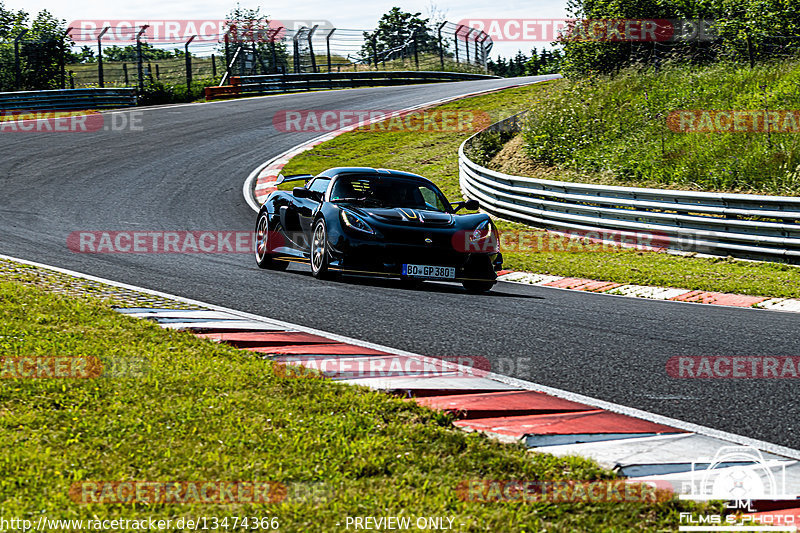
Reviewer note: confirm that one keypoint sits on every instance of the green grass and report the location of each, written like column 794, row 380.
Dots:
column 614, row 129
column 169, row 71
column 201, row 411
column 434, row 155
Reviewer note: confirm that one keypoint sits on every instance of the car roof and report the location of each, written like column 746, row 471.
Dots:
column 333, row 172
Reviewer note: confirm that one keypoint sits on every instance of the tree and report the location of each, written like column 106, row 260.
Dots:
column 250, row 29
column 395, row 30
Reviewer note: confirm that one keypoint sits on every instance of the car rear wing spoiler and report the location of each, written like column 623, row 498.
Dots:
column 293, row 177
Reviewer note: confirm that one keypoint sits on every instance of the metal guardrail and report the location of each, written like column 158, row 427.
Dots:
column 742, row 225
column 69, row 99
column 281, row 83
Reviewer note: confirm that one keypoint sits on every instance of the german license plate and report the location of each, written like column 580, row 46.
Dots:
column 429, row 271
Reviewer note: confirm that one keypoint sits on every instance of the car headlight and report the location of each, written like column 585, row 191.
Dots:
column 355, row 222
column 485, row 237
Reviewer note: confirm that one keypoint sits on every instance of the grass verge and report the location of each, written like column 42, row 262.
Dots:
column 434, row 154
column 629, row 129
column 198, row 411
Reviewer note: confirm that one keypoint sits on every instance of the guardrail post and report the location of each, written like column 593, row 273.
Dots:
column 17, row 68
column 100, row 79
column 328, row 47
column 441, row 46
column 311, row 48
column 139, row 56
column 189, row 66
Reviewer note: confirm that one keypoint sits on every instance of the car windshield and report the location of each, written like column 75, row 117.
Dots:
column 388, row 191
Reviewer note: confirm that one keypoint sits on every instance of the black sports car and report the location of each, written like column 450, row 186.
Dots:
column 377, row 222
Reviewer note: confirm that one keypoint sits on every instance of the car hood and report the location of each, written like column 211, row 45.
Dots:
column 405, row 216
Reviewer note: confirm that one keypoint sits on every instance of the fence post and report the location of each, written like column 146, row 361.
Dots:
column 17, row 69
column 62, row 58
column 71, row 80
column 416, row 54
column 311, row 48
column 328, row 47
column 750, row 54
column 214, row 67
column 139, row 57
column 483, row 52
column 227, row 50
column 441, row 46
column 296, row 49
column 272, row 40
column 125, row 71
column 189, row 65
column 100, row 79
column 455, row 40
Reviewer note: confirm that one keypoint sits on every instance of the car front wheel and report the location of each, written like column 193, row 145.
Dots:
column 264, row 258
column 320, row 258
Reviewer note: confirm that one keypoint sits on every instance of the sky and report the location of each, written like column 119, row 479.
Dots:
column 357, row 14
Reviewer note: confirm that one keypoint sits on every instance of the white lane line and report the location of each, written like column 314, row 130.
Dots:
column 514, row 382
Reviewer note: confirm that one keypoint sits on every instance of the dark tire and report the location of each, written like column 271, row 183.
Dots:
column 320, row 257
column 477, row 287
column 263, row 258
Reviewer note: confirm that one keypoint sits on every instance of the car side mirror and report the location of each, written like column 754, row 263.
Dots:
column 469, row 205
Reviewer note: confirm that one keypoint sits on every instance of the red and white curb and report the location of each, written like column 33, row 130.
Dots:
column 263, row 180
column 653, row 293
column 642, row 446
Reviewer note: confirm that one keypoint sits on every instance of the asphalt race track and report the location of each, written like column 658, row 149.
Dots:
column 185, row 171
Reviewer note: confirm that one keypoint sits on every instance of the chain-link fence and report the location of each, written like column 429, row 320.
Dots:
column 132, row 57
